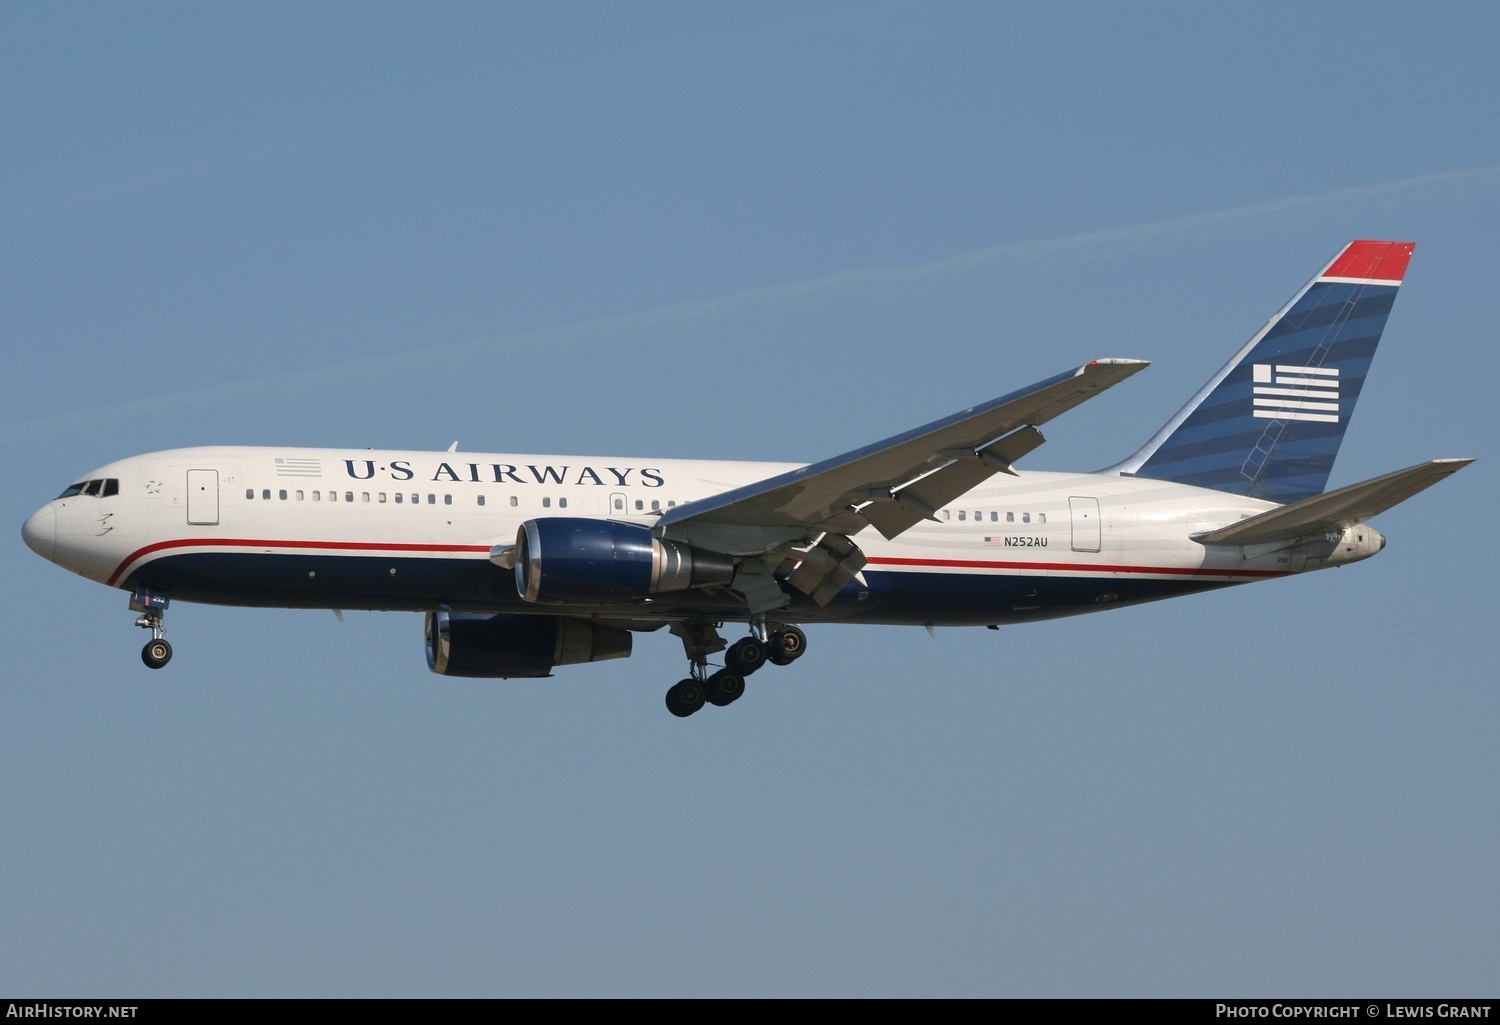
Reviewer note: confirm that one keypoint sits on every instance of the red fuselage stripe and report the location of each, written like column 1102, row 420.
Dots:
column 1073, row 567
column 381, row 546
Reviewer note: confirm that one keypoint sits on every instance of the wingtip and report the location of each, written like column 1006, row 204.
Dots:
column 1116, row 365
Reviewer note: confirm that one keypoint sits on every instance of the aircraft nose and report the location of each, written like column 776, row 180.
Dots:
column 40, row 532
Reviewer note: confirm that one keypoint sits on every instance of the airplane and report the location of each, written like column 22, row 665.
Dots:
column 525, row 563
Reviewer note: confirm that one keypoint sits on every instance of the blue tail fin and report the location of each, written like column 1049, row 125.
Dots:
column 1268, row 424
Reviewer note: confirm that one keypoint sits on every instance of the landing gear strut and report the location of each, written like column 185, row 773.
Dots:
column 700, row 638
column 152, row 607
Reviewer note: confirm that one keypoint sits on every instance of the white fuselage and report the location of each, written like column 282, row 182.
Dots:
column 334, row 528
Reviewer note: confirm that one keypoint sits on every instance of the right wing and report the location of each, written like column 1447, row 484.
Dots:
column 902, row 480
column 799, row 523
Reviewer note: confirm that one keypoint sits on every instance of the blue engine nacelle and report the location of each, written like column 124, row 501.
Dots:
column 572, row 559
column 476, row 644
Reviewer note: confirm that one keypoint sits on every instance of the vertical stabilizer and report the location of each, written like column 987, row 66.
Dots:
column 1268, row 424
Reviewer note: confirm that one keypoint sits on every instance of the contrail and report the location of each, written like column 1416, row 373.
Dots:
column 266, row 150
column 583, row 80
column 768, row 300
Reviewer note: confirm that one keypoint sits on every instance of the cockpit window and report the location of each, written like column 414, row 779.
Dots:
column 101, row 488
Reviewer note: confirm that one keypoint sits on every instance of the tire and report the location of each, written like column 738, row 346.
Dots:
column 156, row 654
column 725, row 687
column 787, row 645
column 684, row 698
column 746, row 656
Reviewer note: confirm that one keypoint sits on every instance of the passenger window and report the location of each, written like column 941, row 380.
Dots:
column 1026, row 517
column 416, row 499
column 655, row 505
column 617, row 503
column 1010, row 517
column 994, row 516
column 282, row 494
column 481, row 499
column 348, row 496
column 317, row 496
column 1041, row 517
column 447, row 499
column 960, row 516
column 432, row 499
column 249, row 492
column 299, row 494
column 364, row 496
column 562, row 503
column 266, row 494
column 398, row 498
column 381, row 498
column 546, row 503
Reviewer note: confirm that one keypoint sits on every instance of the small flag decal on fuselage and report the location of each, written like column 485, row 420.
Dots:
column 292, row 466
column 1296, row 393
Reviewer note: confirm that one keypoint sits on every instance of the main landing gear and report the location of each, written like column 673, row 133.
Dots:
column 152, row 607
column 781, row 645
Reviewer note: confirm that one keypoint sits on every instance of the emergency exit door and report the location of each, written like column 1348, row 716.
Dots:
column 1086, row 532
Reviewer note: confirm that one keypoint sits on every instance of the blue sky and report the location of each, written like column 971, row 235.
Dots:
column 761, row 231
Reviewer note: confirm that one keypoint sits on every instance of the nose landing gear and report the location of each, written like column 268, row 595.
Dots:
column 781, row 646
column 152, row 607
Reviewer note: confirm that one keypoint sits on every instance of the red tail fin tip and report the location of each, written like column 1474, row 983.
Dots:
column 1372, row 261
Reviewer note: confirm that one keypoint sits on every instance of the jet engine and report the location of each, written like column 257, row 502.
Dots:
column 475, row 644
column 571, row 559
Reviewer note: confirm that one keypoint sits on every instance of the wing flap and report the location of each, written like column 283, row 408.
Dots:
column 906, row 506
column 920, row 500
column 1335, row 510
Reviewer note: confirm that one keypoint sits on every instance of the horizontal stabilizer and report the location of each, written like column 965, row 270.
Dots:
column 1335, row 510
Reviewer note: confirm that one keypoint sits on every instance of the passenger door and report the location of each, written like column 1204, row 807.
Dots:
column 203, row 497
column 1086, row 531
